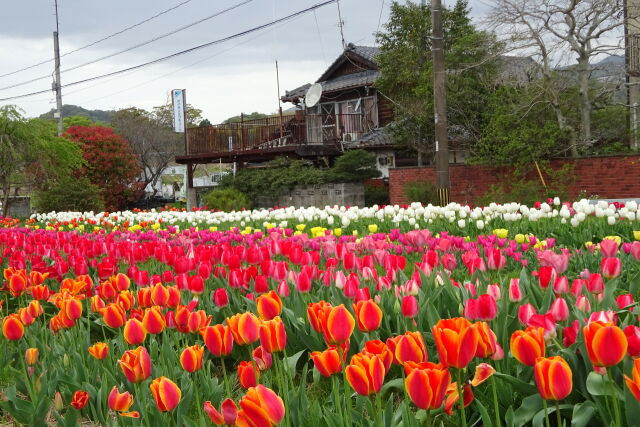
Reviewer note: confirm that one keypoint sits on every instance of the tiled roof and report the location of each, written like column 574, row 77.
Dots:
column 375, row 138
column 367, row 52
column 362, row 78
column 298, row 92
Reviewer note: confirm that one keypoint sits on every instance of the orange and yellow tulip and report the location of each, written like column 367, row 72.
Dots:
column 368, row 315
column 191, row 358
column 606, row 343
column 153, row 320
column 426, row 387
column 80, row 399
column 248, row 374
column 365, row 374
column 269, row 305
column 31, row 356
column 410, row 347
column 218, row 339
column 260, row 406
column 338, row 325
column 317, row 313
column 456, row 341
column 136, row 364
column 99, row 350
column 273, row 336
column 227, row 415
column 245, row 328
column 553, row 377
column 380, row 349
column 113, row 316
column 526, row 346
column 166, row 394
column 487, row 342
column 633, row 383
column 134, row 332
column 327, row 362
column 12, row 327
column 119, row 402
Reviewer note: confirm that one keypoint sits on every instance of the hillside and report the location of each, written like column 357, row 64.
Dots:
column 75, row 110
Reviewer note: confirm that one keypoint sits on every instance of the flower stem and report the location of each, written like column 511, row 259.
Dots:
column 379, row 408
column 227, row 388
column 546, row 412
column 463, row 415
column 558, row 415
column 616, row 409
column 496, row 407
column 347, row 397
column 336, row 398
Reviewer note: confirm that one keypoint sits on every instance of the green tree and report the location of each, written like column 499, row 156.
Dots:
column 31, row 155
column 251, row 116
column 77, row 121
column 164, row 115
column 406, row 65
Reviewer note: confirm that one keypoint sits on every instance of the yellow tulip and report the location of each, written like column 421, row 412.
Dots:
column 520, row 238
column 617, row 239
column 501, row 232
column 636, row 235
column 337, row 231
column 373, row 228
column 300, row 227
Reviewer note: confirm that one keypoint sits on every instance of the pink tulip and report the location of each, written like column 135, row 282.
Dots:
column 611, row 267
column 609, row 247
column 515, row 293
column 525, row 312
column 559, row 310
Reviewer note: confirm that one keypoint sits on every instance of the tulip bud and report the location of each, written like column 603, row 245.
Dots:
column 31, row 356
column 595, row 285
column 494, row 291
column 220, row 297
column 409, row 306
column 262, row 358
column 58, row 404
column 515, row 293
column 525, row 312
column 583, row 304
column 632, row 333
column 624, row 301
column 559, row 310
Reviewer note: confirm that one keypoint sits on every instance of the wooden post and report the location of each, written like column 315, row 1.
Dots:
column 242, row 131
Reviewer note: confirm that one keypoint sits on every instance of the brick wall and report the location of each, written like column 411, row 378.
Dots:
column 611, row 177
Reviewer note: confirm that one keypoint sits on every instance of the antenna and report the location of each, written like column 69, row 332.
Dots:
column 341, row 23
column 313, row 95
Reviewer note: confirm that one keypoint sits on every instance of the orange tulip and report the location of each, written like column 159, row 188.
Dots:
column 80, row 399
column 380, row 349
column 97, row 304
column 31, row 356
column 120, row 402
column 260, row 407
column 553, row 377
column 487, row 343
column 410, row 347
column 12, row 327
column 37, row 278
column 40, row 292
column 317, row 313
column 27, row 318
column 144, row 298
column 134, row 332
column 113, row 316
column 528, row 345
column 191, row 358
column 248, row 374
column 245, row 328
column 166, row 394
column 99, row 350
column 136, row 364
column 160, row 295
column 273, row 336
column 368, row 315
column 198, row 320
column 338, row 325
column 606, row 343
column 17, row 283
column 484, row 371
column 452, row 397
column 35, row 308
column 153, row 320
column 426, row 387
column 72, row 308
column 125, row 300
column 365, row 374
column 634, row 383
column 456, row 340
column 227, row 415
column 269, row 305
column 327, row 362
column 218, row 339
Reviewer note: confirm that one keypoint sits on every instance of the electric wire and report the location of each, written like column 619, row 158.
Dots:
column 130, row 27
column 179, row 53
column 144, row 43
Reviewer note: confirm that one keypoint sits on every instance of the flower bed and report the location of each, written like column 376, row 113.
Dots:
column 334, row 316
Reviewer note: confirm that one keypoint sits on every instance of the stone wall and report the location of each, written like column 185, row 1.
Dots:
column 19, row 207
column 343, row 194
column 610, row 177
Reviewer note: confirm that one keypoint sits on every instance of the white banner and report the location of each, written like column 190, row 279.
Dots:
column 179, row 107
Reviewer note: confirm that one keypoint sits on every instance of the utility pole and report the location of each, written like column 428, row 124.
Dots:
column 440, row 103
column 57, row 87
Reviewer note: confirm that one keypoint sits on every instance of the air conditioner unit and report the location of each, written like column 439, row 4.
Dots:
column 350, row 136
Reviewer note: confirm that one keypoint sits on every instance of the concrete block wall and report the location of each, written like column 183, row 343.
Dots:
column 610, row 177
column 343, row 194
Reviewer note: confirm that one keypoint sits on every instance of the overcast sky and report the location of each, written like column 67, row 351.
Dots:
column 222, row 80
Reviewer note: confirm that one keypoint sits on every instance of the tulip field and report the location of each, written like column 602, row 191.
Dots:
column 506, row 315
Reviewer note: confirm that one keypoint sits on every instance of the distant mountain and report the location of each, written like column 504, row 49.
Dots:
column 75, row 110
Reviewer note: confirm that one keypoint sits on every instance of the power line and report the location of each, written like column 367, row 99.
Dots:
column 180, row 53
column 177, row 30
column 130, row 27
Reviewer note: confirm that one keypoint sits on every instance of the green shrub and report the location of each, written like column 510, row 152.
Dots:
column 69, row 194
column 227, row 199
column 376, row 195
column 354, row 166
column 421, row 191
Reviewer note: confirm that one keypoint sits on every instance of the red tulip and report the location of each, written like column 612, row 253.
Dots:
column 634, row 383
column 482, row 308
column 368, row 315
column 248, row 374
column 632, row 333
column 426, row 387
column 227, row 415
column 269, row 305
column 166, row 394
column 99, row 350
column 380, row 349
column 120, row 402
column 338, row 325
column 327, row 362
column 528, row 345
column 456, row 340
column 609, row 247
column 80, row 399
column 113, row 316
column 559, row 310
column 134, row 332
column 317, row 314
column 570, row 333
column 221, row 297
column 624, row 301
column 611, row 267
column 12, row 327
column 409, row 306
column 515, row 293
column 595, row 285
column 553, row 377
column 273, row 336
column 525, row 312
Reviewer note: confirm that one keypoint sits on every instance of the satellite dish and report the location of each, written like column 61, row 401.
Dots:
column 313, row 95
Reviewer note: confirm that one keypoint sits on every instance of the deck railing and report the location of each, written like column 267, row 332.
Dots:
column 277, row 131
